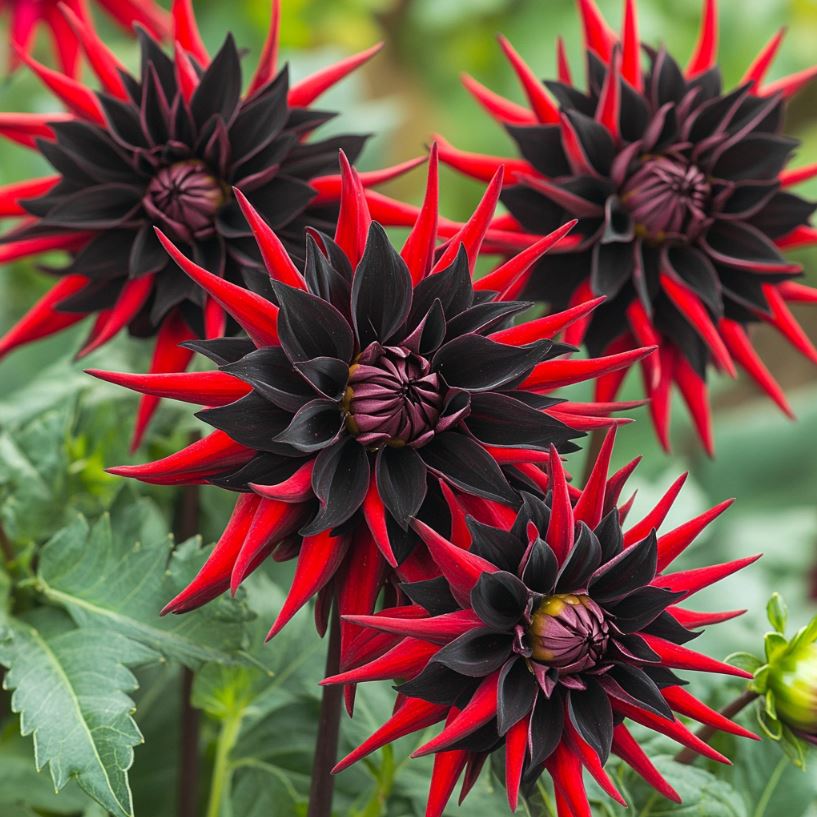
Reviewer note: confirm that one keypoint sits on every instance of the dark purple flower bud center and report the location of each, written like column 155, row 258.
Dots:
column 392, row 397
column 667, row 197
column 568, row 632
column 185, row 198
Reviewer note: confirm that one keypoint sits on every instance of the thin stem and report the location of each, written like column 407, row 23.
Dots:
column 6, row 547
column 185, row 526
column 326, row 744
column 705, row 733
column 593, row 448
column 227, row 738
column 189, row 754
column 768, row 791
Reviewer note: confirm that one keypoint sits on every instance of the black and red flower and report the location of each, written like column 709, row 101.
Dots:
column 378, row 387
column 165, row 149
column 26, row 16
column 684, row 203
column 543, row 636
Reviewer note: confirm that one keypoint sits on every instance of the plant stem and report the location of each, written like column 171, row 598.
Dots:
column 189, row 751
column 227, row 737
column 705, row 733
column 326, row 744
column 6, row 547
column 771, row 785
column 185, row 526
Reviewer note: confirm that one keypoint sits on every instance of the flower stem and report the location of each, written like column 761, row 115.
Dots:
column 227, row 737
column 185, row 526
column 705, row 733
column 326, row 744
column 6, row 547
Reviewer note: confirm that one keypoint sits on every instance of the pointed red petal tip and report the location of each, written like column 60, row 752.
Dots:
column 277, row 260
column 704, row 56
column 306, row 91
column 543, row 106
column 503, row 110
column 255, row 314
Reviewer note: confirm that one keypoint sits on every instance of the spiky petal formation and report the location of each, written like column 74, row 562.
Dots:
column 683, row 200
column 26, row 16
column 381, row 385
column 543, row 635
column 165, row 149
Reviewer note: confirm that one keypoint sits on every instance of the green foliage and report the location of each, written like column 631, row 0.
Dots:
column 86, row 732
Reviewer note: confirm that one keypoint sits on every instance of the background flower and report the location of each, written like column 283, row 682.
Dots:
column 164, row 149
column 26, row 16
column 684, row 203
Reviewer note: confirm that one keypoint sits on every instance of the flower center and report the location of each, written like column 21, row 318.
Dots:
column 392, row 397
column 186, row 197
column 667, row 197
column 569, row 632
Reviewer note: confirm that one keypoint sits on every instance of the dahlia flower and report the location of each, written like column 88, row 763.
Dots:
column 684, row 199
column 382, row 386
column 544, row 636
column 27, row 15
column 164, row 149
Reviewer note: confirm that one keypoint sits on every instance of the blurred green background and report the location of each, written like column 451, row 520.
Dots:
column 409, row 92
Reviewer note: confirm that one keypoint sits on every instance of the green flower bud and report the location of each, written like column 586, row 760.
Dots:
column 792, row 681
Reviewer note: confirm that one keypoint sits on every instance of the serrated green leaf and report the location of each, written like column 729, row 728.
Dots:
column 86, row 731
column 701, row 792
column 777, row 613
column 119, row 574
column 22, row 785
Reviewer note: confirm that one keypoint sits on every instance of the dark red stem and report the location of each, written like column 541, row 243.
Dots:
column 326, row 743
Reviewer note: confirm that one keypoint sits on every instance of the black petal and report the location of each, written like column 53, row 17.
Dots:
column 438, row 684
column 499, row 599
column 592, row 715
column 432, row 594
column 271, row 374
column 541, row 569
column 495, row 545
column 327, row 375
column 381, row 290
column 546, row 727
column 641, row 689
column 251, row 421
column 309, row 327
column 582, row 560
column 219, row 89
column 476, row 653
column 636, row 611
column 401, row 482
column 315, row 425
column 451, row 286
column 633, row 568
column 340, row 480
column 467, row 465
column 496, row 419
column 516, row 693
column 476, row 363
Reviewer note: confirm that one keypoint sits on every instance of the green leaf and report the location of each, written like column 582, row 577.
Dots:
column 22, row 785
column 769, row 724
column 777, row 613
column 119, row 574
column 745, row 661
column 86, row 731
column 774, row 644
column 701, row 792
